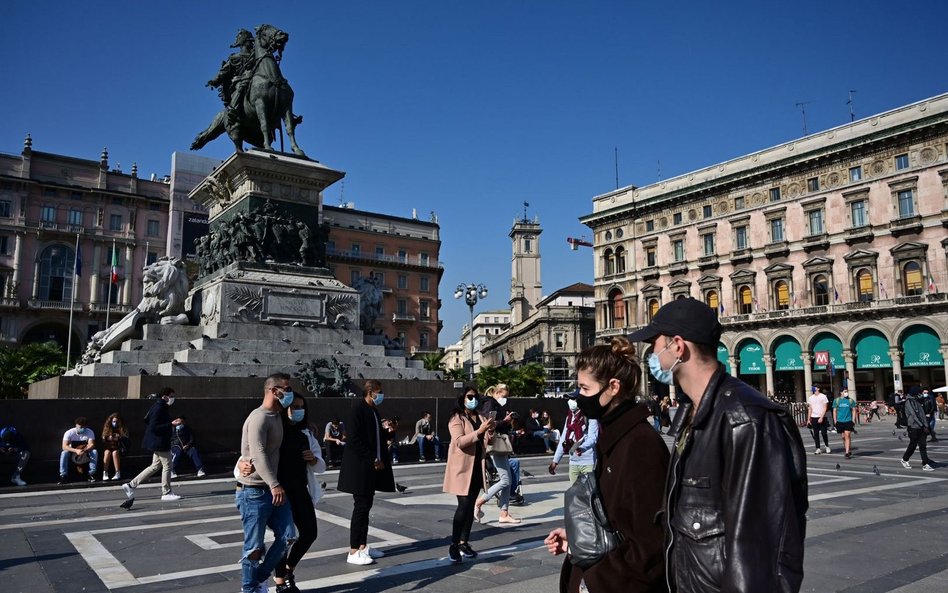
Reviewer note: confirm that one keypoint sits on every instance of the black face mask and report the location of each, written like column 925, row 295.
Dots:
column 590, row 406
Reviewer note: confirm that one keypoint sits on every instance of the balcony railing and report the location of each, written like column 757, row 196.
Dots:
column 403, row 318
column 9, row 302
column 58, row 305
column 103, row 307
column 381, row 257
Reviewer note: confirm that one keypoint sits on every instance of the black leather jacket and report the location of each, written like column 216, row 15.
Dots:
column 736, row 495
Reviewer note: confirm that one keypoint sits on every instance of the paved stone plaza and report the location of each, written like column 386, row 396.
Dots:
column 868, row 533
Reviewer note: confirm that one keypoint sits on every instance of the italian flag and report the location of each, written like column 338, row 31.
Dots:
column 114, row 278
column 931, row 283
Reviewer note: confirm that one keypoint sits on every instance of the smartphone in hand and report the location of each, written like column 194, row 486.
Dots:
column 492, row 415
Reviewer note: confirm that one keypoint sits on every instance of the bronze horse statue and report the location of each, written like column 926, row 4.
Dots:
column 267, row 101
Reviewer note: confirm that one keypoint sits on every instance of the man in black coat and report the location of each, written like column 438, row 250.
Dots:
column 157, row 439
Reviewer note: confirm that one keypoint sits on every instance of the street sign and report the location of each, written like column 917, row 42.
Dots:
column 821, row 357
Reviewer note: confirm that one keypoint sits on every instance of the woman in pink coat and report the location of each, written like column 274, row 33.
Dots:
column 464, row 472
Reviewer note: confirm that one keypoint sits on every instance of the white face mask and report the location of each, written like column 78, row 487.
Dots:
column 170, row 401
column 502, row 401
column 573, row 406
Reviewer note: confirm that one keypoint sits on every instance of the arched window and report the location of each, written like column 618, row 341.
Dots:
column 617, row 305
column 912, row 278
column 620, row 260
column 56, row 264
column 745, row 300
column 608, row 268
column 681, row 296
column 821, row 295
column 864, row 284
column 653, row 306
column 711, row 299
column 781, row 295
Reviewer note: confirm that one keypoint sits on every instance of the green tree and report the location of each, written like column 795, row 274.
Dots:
column 22, row 365
column 525, row 381
column 459, row 374
column 433, row 361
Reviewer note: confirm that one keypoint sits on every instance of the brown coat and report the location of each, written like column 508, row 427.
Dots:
column 461, row 452
column 631, row 463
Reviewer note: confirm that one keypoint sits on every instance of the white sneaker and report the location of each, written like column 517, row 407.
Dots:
column 817, row 451
column 170, row 497
column 201, row 473
column 117, row 476
column 105, row 477
column 174, row 475
column 927, row 468
column 17, row 481
column 906, row 464
column 129, row 490
column 373, row 553
column 359, row 558
column 826, row 449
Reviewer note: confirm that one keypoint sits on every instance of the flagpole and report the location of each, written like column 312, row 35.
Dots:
column 72, row 304
column 108, row 300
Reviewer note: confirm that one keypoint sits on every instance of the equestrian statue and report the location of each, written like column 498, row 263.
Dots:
column 258, row 101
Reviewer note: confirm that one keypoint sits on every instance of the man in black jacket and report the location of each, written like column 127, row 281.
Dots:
column 157, row 439
column 736, row 493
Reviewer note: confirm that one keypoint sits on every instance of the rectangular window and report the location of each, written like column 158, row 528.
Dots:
column 775, row 194
column 527, row 246
column 739, row 203
column 858, row 211
column 776, row 230
column 423, row 309
column 649, row 225
column 152, row 230
column 813, row 184
column 402, row 281
column 706, row 211
column 5, row 209
column 380, row 276
column 401, row 307
column 4, row 245
column 815, row 219
column 48, row 214
column 679, row 246
column 906, row 204
column 649, row 256
column 115, row 222
column 423, row 259
column 740, row 237
column 559, row 339
column 355, row 275
column 855, row 174
column 708, row 243
column 151, row 258
column 75, row 217
column 676, row 218
column 379, row 252
column 423, row 284
column 356, row 250
column 403, row 256
column 901, row 162
column 424, row 341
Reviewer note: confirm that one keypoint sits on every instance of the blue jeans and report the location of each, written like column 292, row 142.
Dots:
column 657, row 423
column 514, row 464
column 256, row 514
column 436, row 443
column 177, row 453
column 64, row 462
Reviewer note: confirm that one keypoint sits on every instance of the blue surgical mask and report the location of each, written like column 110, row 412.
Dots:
column 378, row 398
column 655, row 367
column 470, row 404
column 287, row 398
column 179, row 427
column 297, row 415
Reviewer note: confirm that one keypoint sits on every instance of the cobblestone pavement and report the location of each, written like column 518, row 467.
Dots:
column 874, row 527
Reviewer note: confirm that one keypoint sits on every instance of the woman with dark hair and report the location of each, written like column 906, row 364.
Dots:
column 366, row 468
column 299, row 456
column 631, row 463
column 115, row 443
column 464, row 471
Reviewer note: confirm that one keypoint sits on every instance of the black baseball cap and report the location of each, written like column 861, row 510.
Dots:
column 689, row 318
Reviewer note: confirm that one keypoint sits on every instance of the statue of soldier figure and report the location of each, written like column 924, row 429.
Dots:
column 256, row 97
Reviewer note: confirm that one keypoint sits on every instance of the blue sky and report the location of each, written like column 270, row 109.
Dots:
column 470, row 108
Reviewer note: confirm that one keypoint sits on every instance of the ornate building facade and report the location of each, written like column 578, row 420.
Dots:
column 47, row 203
column 825, row 256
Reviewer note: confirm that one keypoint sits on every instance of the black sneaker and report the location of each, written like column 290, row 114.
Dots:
column 287, row 587
column 454, row 553
column 62, row 480
column 467, row 551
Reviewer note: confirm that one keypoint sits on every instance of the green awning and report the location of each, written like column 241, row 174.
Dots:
column 787, row 355
column 752, row 358
column 722, row 356
column 921, row 348
column 872, row 350
column 831, row 343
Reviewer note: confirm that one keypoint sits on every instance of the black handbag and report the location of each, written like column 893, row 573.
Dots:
column 588, row 531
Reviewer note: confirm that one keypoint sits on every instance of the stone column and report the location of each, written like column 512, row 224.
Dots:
column 94, row 273
column 769, row 368
column 944, row 357
column 643, row 368
column 127, row 286
column 850, row 368
column 36, row 280
column 17, row 254
column 896, row 357
column 807, row 373
column 732, row 361
column 879, row 385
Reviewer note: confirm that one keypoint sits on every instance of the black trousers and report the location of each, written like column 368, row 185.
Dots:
column 464, row 515
column 304, row 517
column 917, row 437
column 359, row 524
column 818, row 428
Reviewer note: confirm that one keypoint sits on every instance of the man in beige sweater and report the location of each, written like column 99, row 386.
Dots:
column 260, row 498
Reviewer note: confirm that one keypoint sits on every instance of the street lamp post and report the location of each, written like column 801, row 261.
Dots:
column 471, row 294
